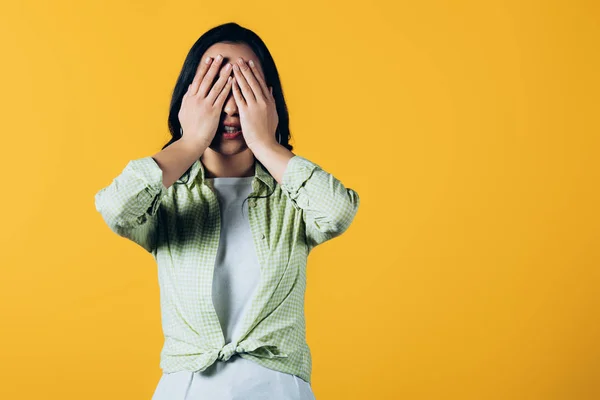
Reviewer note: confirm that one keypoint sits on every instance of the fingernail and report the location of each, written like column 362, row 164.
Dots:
column 228, row 67
column 207, row 59
column 219, row 57
column 251, row 63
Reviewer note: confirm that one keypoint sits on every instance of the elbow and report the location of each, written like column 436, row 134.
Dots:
column 115, row 216
column 129, row 212
column 341, row 216
column 347, row 212
column 108, row 213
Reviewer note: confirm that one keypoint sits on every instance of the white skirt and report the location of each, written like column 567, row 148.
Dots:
column 236, row 378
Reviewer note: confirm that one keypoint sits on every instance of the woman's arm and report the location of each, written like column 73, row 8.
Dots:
column 328, row 206
column 129, row 204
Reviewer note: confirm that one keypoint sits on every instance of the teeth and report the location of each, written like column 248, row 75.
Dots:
column 231, row 129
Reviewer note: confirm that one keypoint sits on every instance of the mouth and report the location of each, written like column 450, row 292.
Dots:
column 230, row 131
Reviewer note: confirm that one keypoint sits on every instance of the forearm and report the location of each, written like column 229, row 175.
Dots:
column 177, row 158
column 328, row 206
column 274, row 157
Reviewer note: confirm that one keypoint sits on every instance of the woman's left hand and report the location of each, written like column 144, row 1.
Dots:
column 258, row 113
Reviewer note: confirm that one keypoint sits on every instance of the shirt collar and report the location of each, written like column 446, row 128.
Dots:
column 197, row 172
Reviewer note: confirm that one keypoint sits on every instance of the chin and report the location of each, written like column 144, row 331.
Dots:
column 229, row 148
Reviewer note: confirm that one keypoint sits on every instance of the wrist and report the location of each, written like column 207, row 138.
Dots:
column 267, row 150
column 194, row 144
column 263, row 145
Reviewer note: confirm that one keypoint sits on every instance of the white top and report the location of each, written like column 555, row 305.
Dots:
column 236, row 276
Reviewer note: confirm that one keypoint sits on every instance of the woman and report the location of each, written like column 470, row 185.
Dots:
column 232, row 273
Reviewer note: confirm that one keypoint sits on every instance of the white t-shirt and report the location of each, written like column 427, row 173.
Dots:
column 236, row 276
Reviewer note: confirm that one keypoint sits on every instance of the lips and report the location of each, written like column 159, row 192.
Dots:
column 233, row 135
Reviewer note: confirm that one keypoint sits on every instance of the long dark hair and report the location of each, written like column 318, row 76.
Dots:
column 229, row 33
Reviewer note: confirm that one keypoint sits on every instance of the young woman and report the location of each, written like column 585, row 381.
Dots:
column 230, row 214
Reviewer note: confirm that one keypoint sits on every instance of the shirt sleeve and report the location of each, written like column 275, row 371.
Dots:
column 130, row 203
column 328, row 206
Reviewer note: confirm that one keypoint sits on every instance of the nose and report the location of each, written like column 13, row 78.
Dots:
column 230, row 107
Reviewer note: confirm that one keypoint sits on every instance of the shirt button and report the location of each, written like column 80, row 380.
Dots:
column 252, row 203
column 262, row 235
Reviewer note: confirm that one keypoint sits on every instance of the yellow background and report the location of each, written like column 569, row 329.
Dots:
column 469, row 129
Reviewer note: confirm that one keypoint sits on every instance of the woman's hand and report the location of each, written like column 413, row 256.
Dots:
column 256, row 105
column 201, row 105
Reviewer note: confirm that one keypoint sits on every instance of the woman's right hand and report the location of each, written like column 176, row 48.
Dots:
column 202, row 104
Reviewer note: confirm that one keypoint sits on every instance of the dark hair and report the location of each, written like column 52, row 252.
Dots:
column 229, row 33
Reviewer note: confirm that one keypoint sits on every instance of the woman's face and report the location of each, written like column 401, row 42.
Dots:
column 231, row 53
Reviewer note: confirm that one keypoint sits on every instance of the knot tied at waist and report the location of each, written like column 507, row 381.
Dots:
column 229, row 350
column 250, row 346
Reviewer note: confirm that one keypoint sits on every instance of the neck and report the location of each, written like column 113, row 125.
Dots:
column 217, row 165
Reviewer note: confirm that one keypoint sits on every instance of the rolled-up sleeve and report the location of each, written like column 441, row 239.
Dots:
column 328, row 206
column 130, row 203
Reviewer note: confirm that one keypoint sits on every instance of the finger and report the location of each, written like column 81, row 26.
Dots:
column 243, row 84
column 219, row 84
column 237, row 94
column 208, row 79
column 224, row 93
column 252, row 82
column 259, row 77
column 200, row 72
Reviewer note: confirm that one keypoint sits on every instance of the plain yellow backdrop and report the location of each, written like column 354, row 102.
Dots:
column 469, row 129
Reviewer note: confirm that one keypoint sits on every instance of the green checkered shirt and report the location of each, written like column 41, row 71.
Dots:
column 180, row 227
